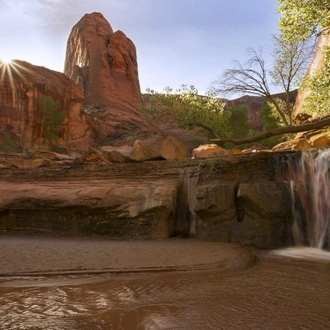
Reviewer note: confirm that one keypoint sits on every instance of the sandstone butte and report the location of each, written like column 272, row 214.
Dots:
column 103, row 64
column 21, row 86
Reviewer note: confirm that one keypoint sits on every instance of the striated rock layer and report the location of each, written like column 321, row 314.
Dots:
column 103, row 63
column 240, row 199
column 21, row 86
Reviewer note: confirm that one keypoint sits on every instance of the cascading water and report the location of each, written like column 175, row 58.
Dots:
column 312, row 182
column 310, row 197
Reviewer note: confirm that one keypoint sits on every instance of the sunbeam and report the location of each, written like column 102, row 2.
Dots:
column 5, row 61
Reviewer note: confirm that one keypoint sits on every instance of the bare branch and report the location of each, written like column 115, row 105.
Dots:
column 290, row 61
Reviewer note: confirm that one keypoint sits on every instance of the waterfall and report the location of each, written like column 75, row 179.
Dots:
column 312, row 182
column 296, row 227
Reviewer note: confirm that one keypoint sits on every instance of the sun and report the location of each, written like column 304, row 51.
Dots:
column 5, row 60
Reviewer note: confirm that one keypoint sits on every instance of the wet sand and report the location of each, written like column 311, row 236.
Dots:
column 37, row 254
column 93, row 286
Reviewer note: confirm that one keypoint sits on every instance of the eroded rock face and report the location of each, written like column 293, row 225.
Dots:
column 103, row 63
column 234, row 212
column 124, row 204
column 21, row 86
column 238, row 200
column 235, row 199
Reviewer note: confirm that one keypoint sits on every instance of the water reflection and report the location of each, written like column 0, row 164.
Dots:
column 278, row 293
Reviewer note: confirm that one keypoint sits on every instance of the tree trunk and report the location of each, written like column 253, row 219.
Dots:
column 279, row 131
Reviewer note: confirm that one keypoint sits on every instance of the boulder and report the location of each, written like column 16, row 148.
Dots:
column 298, row 144
column 173, row 149
column 93, row 156
column 30, row 163
column 167, row 148
column 22, row 85
column 117, row 154
column 46, row 154
column 320, row 140
column 208, row 150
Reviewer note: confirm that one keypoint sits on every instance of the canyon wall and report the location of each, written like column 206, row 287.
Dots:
column 21, row 87
column 241, row 199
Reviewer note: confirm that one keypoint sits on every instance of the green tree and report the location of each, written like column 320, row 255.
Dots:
column 239, row 121
column 303, row 18
column 238, row 124
column 317, row 85
column 300, row 20
column 9, row 142
column 52, row 117
column 269, row 118
column 270, row 121
column 189, row 109
column 290, row 63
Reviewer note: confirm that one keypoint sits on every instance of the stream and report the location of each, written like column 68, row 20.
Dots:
column 277, row 293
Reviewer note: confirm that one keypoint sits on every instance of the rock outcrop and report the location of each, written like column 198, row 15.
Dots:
column 158, row 148
column 103, row 63
column 306, row 140
column 21, row 86
column 241, row 199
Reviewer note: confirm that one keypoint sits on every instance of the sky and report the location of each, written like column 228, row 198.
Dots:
column 178, row 41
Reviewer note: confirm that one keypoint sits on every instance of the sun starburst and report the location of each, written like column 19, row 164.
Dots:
column 6, row 61
column 10, row 71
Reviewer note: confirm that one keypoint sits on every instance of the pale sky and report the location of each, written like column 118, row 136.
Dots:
column 177, row 41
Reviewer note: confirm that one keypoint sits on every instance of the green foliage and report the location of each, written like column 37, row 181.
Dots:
column 287, row 109
column 317, row 101
column 238, row 124
column 269, row 117
column 10, row 143
column 270, row 120
column 188, row 108
column 239, row 121
column 291, row 60
column 52, row 118
column 302, row 18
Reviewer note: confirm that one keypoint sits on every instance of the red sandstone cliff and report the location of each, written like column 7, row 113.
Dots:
column 315, row 66
column 21, row 86
column 103, row 64
column 254, row 104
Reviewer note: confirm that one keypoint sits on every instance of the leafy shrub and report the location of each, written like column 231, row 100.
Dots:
column 52, row 118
